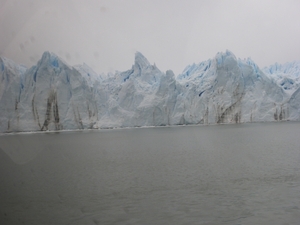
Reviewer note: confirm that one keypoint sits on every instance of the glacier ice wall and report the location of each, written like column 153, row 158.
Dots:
column 55, row 96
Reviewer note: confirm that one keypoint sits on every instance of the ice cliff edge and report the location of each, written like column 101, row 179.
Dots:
column 55, row 96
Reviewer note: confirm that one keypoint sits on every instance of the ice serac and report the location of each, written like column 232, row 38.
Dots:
column 55, row 96
column 294, row 106
column 141, row 96
column 227, row 90
column 88, row 74
column 11, row 85
column 286, row 76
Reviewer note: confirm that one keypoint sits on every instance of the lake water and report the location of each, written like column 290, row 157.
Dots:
column 223, row 174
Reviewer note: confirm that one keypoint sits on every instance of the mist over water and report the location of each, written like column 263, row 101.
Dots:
column 223, row 174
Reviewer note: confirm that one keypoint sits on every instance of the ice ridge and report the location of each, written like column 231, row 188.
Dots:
column 55, row 96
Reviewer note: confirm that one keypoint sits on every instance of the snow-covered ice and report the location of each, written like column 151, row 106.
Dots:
column 55, row 96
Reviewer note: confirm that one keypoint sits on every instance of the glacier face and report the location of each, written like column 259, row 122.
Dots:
column 286, row 76
column 55, row 96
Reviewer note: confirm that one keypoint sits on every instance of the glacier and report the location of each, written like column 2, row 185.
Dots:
column 53, row 95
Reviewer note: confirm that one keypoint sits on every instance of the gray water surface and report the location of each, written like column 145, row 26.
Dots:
column 223, row 174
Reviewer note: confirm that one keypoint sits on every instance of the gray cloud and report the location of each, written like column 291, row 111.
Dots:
column 172, row 34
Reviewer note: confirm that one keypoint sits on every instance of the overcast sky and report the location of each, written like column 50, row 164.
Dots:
column 105, row 34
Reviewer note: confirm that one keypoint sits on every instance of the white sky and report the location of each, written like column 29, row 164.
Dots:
column 105, row 34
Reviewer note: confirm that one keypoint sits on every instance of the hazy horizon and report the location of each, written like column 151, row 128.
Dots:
column 106, row 34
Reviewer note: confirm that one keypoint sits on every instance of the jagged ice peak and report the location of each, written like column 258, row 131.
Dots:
column 140, row 60
column 224, row 89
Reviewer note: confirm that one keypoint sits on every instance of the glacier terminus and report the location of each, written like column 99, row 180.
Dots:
column 53, row 95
